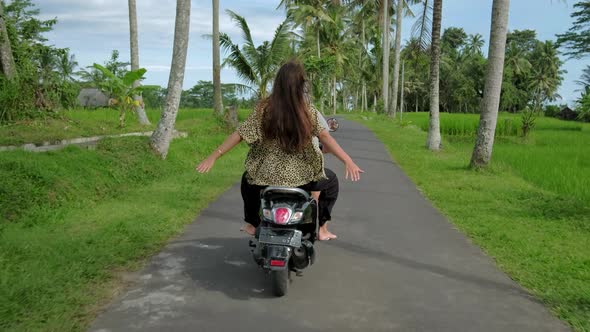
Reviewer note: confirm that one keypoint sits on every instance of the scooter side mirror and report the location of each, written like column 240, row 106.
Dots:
column 333, row 124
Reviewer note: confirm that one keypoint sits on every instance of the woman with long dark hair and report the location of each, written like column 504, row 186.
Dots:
column 279, row 133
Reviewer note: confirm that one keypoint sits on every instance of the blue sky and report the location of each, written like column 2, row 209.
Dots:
column 92, row 28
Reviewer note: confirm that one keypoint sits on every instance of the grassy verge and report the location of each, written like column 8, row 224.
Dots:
column 72, row 124
column 72, row 218
column 538, row 234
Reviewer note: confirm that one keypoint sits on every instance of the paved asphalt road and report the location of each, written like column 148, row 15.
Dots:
column 398, row 265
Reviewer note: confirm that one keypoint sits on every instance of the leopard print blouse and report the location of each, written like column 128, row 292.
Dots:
column 268, row 165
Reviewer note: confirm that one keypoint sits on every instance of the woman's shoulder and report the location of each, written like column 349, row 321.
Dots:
column 312, row 109
column 261, row 105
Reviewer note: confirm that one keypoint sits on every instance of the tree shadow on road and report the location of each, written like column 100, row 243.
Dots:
column 223, row 265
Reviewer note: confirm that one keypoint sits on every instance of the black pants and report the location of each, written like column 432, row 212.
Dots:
column 328, row 196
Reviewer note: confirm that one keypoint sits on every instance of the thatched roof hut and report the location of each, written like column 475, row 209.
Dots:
column 92, row 98
column 567, row 114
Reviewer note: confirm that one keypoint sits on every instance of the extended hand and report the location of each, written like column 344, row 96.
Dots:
column 353, row 171
column 206, row 165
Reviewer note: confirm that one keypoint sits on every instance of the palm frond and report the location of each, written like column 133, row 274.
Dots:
column 238, row 88
column 243, row 25
column 236, row 59
column 279, row 45
column 422, row 28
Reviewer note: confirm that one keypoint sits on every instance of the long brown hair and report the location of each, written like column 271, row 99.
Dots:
column 286, row 117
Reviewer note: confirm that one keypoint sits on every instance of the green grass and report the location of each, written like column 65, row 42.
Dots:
column 71, row 124
column 465, row 125
column 536, row 227
column 554, row 157
column 72, row 219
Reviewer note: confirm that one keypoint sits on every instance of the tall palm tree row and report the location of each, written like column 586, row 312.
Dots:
column 345, row 46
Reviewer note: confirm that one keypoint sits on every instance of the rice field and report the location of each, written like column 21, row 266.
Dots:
column 555, row 156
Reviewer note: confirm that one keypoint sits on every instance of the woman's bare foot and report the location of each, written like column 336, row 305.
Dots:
column 248, row 229
column 325, row 234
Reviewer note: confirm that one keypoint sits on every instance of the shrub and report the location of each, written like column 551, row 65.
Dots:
column 528, row 121
column 584, row 107
column 16, row 99
column 551, row 111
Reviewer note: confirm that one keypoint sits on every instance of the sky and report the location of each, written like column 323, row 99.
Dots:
column 91, row 29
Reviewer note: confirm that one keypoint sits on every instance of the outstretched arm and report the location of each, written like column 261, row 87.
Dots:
column 230, row 142
column 333, row 147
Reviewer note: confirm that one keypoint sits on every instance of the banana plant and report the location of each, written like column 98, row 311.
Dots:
column 120, row 90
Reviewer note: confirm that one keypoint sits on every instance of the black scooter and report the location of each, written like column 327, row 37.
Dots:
column 283, row 243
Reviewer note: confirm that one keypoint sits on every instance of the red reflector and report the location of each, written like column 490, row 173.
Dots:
column 276, row 262
column 282, row 215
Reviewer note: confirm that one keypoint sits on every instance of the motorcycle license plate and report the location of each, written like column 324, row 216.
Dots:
column 285, row 237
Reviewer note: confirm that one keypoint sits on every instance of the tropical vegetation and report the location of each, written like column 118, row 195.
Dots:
column 68, row 218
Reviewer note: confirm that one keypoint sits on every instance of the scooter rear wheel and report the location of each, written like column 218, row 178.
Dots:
column 280, row 282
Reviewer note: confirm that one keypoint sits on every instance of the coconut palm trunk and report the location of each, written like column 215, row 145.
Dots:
column 482, row 152
column 134, row 46
column 365, row 101
column 385, row 87
column 401, row 102
column 433, row 141
column 217, row 97
column 7, row 64
column 364, row 85
column 334, row 101
column 397, row 53
column 318, row 42
column 160, row 140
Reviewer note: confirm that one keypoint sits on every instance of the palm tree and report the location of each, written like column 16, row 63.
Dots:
column 7, row 64
column 47, row 61
column 337, row 47
column 256, row 65
column 546, row 75
column 482, row 152
column 90, row 76
column 363, row 19
column 401, row 5
column 474, row 44
column 66, row 64
column 434, row 139
column 396, row 57
column 134, row 46
column 310, row 15
column 516, row 60
column 385, row 59
column 217, row 95
column 160, row 140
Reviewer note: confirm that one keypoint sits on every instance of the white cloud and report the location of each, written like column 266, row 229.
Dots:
column 93, row 28
column 166, row 68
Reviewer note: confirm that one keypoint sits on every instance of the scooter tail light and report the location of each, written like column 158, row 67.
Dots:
column 277, row 262
column 282, row 215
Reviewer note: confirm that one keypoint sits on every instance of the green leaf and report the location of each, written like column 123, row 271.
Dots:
column 132, row 76
column 104, row 71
